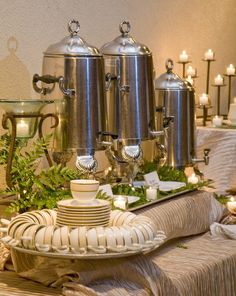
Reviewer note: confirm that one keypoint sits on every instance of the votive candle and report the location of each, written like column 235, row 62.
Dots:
column 120, row 202
column 219, row 80
column 193, row 179
column 203, row 99
column 209, row 55
column 22, row 129
column 217, row 121
column 183, row 57
column 230, row 70
column 151, row 193
column 191, row 71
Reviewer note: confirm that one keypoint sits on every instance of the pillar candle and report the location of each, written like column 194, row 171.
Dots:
column 183, row 57
column 209, row 55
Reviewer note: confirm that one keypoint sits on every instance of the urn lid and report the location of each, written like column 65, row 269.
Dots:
column 125, row 44
column 72, row 45
column 171, row 81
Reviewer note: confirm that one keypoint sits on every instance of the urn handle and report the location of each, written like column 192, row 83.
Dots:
column 48, row 79
column 66, row 91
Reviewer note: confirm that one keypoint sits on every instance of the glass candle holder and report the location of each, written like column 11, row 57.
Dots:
column 217, row 121
column 151, row 193
column 120, row 202
column 25, row 114
column 193, row 179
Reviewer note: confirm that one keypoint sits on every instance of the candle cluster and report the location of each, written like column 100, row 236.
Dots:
column 204, row 102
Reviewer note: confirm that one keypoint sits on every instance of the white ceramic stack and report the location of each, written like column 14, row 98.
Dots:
column 83, row 209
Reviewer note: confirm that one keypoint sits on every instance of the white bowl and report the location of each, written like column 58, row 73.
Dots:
column 84, row 190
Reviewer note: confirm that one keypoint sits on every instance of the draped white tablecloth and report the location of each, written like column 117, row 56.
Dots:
column 222, row 166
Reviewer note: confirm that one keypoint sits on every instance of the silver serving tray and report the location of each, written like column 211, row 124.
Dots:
column 86, row 256
column 153, row 202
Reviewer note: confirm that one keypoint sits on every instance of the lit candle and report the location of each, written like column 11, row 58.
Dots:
column 120, row 201
column 219, row 80
column 230, row 70
column 217, row 121
column 189, row 79
column 191, row 71
column 209, row 55
column 183, row 57
column 193, row 179
column 22, row 129
column 203, row 99
column 151, row 193
column 231, row 205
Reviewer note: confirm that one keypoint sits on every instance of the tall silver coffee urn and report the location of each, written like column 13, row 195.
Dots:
column 73, row 75
column 175, row 106
column 129, row 93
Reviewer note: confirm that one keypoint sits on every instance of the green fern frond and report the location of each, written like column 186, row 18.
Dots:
column 35, row 191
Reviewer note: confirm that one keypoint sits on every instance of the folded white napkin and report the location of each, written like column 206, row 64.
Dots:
column 223, row 231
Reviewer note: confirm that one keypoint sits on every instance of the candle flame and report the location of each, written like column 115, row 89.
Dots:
column 232, row 198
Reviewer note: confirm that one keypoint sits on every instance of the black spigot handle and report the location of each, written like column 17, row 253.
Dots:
column 113, row 136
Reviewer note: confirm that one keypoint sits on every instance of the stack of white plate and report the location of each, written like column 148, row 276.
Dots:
column 72, row 213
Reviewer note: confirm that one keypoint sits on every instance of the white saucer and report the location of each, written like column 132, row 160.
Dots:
column 170, row 185
column 74, row 204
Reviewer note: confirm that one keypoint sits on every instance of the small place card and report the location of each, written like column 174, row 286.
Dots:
column 152, row 179
column 106, row 189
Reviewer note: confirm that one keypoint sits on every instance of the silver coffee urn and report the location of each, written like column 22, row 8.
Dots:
column 130, row 100
column 73, row 75
column 175, row 111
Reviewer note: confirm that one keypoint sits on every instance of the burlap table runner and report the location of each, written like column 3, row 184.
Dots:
column 164, row 272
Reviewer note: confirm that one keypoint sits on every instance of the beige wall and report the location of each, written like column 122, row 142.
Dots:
column 28, row 27
column 166, row 27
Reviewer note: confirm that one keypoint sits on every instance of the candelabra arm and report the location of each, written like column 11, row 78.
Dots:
column 40, row 130
column 229, row 93
column 208, row 76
